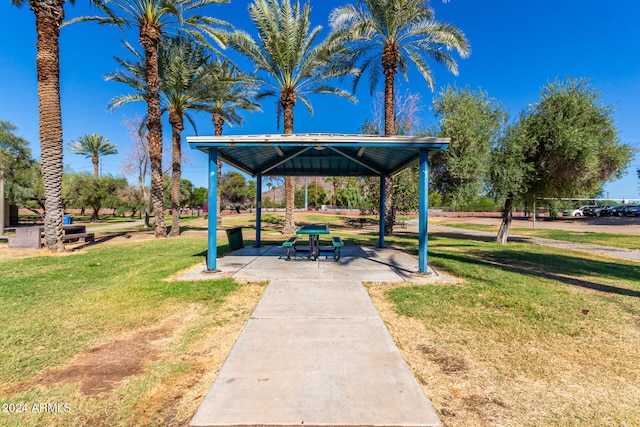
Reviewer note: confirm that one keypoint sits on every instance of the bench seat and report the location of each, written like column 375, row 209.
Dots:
column 79, row 236
column 289, row 244
column 337, row 243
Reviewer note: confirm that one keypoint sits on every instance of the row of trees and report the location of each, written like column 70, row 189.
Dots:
column 564, row 145
column 84, row 191
column 375, row 36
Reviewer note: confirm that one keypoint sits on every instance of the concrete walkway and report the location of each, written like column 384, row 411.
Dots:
column 316, row 351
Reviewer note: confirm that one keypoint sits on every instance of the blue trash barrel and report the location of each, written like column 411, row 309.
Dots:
column 67, row 220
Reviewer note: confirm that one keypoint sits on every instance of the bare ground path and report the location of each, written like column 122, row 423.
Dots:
column 613, row 225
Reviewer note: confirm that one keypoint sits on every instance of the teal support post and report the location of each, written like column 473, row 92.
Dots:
column 423, row 221
column 212, row 241
column 383, row 197
column 258, row 209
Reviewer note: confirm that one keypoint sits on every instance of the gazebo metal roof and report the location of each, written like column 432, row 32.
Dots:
column 318, row 154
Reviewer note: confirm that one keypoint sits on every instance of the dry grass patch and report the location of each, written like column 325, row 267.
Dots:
column 156, row 375
column 176, row 400
column 527, row 341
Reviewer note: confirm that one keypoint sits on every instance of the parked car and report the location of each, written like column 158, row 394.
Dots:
column 635, row 211
column 628, row 209
column 573, row 212
column 592, row 210
column 611, row 211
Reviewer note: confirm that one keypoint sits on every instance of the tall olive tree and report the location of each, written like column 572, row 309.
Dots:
column 508, row 172
column 474, row 121
column 152, row 18
column 577, row 148
column 49, row 15
column 387, row 37
column 565, row 145
column 292, row 65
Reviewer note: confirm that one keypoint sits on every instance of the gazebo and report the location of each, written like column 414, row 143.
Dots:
column 319, row 155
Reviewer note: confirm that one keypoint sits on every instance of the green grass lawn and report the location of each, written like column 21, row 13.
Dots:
column 54, row 308
column 526, row 335
column 542, row 336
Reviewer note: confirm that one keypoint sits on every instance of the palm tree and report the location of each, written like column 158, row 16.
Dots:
column 226, row 90
column 183, row 62
column 152, row 18
column 181, row 65
column 49, row 15
column 93, row 146
column 292, row 65
column 388, row 36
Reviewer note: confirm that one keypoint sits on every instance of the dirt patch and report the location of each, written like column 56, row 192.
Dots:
column 156, row 375
column 448, row 364
column 103, row 368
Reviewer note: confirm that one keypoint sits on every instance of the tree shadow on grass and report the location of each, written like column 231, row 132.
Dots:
column 479, row 237
column 559, row 267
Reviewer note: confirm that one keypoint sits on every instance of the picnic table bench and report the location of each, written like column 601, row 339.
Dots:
column 314, row 248
column 31, row 237
column 289, row 244
column 337, row 243
column 401, row 223
column 74, row 233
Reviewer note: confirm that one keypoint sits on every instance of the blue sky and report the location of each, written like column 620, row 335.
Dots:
column 517, row 47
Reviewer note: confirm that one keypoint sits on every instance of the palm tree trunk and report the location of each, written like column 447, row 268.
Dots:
column 218, row 123
column 507, row 216
column 149, row 40
column 288, row 100
column 95, row 161
column 177, row 127
column 49, row 16
column 390, row 60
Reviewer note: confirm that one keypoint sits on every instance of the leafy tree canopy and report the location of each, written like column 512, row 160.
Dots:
column 566, row 145
column 235, row 189
column 474, row 122
column 199, row 197
column 571, row 141
column 17, row 168
column 85, row 190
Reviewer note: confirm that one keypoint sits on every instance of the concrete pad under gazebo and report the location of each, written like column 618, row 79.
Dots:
column 319, row 155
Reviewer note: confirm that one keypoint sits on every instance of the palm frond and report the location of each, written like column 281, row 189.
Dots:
column 120, row 100
column 287, row 54
column 366, row 28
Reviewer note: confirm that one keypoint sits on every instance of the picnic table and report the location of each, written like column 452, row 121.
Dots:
column 31, row 237
column 313, row 231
